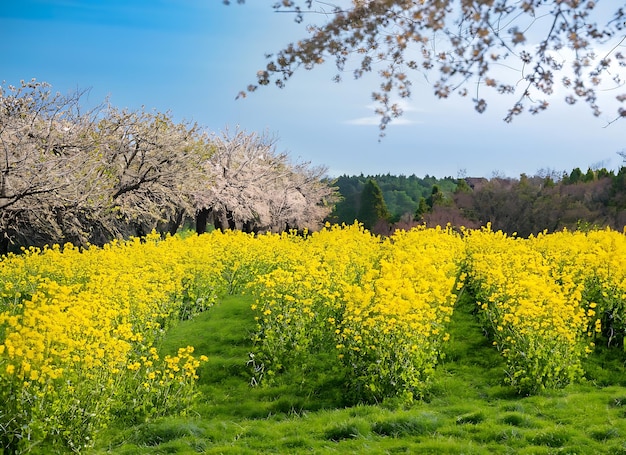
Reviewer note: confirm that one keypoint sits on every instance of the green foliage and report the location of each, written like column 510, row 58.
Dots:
column 589, row 176
column 576, row 175
column 462, row 186
column 619, row 181
column 548, row 182
column 422, row 208
column 164, row 430
column 603, row 173
column 518, row 419
column 436, row 197
column 554, row 438
column 401, row 194
column 373, row 207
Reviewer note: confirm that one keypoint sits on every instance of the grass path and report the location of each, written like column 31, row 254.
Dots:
column 468, row 411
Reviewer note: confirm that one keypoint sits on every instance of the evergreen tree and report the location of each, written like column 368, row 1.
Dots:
column 436, row 197
column 576, row 175
column 422, row 208
column 619, row 181
column 589, row 176
column 603, row 173
column 373, row 207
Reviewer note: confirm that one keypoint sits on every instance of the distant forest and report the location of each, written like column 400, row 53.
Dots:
column 525, row 205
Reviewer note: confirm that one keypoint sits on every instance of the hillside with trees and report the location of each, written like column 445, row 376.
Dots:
column 525, row 205
column 402, row 194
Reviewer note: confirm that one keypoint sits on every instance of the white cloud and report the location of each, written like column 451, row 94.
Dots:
column 403, row 104
column 375, row 120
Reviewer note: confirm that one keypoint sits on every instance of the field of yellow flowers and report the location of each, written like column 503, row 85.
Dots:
column 80, row 328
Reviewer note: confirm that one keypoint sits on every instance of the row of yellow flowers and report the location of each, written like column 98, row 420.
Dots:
column 536, row 322
column 380, row 305
column 547, row 300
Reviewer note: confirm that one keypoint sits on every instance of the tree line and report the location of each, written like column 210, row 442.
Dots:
column 525, row 205
column 87, row 176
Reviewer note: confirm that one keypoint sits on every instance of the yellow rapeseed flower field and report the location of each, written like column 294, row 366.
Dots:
column 79, row 328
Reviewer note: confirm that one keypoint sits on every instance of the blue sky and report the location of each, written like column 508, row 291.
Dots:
column 192, row 57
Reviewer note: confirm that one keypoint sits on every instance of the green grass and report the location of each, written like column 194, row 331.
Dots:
column 468, row 409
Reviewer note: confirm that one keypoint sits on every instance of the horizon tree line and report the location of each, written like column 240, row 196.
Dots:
column 526, row 205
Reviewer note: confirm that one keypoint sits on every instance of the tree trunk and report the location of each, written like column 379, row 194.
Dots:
column 4, row 244
column 249, row 227
column 202, row 216
column 174, row 223
column 218, row 221
column 232, row 225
